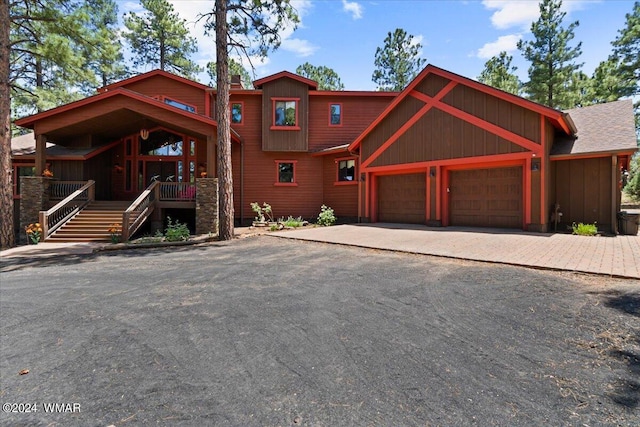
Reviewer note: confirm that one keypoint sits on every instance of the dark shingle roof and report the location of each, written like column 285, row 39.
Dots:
column 606, row 127
column 25, row 145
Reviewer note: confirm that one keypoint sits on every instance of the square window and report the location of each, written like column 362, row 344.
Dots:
column 285, row 113
column 347, row 170
column 286, row 172
column 236, row 113
column 335, row 114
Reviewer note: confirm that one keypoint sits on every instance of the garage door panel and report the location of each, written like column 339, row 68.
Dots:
column 402, row 198
column 486, row 197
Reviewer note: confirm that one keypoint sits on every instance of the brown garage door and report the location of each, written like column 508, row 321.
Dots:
column 402, row 198
column 486, row 197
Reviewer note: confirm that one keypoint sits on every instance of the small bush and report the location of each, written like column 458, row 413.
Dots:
column 292, row 222
column 326, row 217
column 582, row 229
column 176, row 231
column 263, row 212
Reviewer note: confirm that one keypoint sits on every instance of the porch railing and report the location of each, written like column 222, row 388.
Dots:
column 139, row 210
column 52, row 219
column 178, row 191
column 59, row 190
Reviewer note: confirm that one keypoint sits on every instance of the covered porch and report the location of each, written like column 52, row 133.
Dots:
column 135, row 149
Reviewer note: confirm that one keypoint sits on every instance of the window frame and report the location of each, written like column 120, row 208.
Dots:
column 164, row 99
column 274, row 126
column 286, row 184
column 241, row 104
column 355, row 171
column 331, row 104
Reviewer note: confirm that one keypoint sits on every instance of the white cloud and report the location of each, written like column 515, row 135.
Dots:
column 504, row 43
column 299, row 47
column 352, row 7
column 511, row 13
column 519, row 13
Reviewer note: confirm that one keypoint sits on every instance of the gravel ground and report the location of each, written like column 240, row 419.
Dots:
column 271, row 332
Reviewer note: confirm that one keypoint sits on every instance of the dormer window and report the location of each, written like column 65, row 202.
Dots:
column 285, row 113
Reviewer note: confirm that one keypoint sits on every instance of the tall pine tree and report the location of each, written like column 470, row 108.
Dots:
column 159, row 38
column 398, row 61
column 499, row 73
column 105, row 56
column 250, row 28
column 326, row 77
column 552, row 60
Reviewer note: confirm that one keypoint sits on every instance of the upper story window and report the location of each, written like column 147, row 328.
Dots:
column 182, row 106
column 346, row 170
column 177, row 104
column 285, row 113
column 335, row 114
column 236, row 113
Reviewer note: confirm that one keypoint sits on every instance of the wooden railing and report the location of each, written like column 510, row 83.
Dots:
column 64, row 210
column 178, row 191
column 59, row 190
column 139, row 210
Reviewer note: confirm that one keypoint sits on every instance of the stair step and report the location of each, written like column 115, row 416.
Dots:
column 92, row 223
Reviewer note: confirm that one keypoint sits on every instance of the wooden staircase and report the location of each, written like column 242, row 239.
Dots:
column 92, row 223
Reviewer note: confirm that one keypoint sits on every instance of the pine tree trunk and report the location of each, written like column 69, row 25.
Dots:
column 223, row 117
column 7, row 238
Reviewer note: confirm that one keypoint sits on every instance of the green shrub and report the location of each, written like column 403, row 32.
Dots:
column 326, row 216
column 176, row 231
column 585, row 229
column 292, row 222
column 262, row 212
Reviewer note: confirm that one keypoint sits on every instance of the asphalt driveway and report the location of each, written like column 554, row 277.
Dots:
column 273, row 332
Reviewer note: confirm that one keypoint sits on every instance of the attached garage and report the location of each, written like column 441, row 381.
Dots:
column 402, row 198
column 452, row 151
column 486, row 197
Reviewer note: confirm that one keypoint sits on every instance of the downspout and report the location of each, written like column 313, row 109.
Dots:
column 241, row 182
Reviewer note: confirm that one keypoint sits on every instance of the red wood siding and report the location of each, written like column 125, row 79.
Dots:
column 159, row 85
column 341, row 197
column 357, row 113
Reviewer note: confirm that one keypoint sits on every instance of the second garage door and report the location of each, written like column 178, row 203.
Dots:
column 402, row 198
column 486, row 197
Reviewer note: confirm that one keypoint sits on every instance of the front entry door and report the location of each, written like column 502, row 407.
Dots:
column 160, row 171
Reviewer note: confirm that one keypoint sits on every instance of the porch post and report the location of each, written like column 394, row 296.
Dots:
column 34, row 191
column 211, row 156
column 41, row 153
column 207, row 205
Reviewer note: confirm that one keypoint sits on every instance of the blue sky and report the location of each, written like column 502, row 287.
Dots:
column 459, row 36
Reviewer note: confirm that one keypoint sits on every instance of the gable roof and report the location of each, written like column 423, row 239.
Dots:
column 258, row 83
column 608, row 127
column 558, row 118
column 152, row 73
column 128, row 96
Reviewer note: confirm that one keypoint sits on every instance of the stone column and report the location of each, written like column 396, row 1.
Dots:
column 207, row 205
column 34, row 192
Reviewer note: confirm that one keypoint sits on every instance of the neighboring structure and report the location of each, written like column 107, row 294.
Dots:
column 445, row 151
